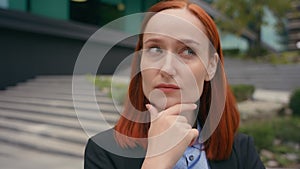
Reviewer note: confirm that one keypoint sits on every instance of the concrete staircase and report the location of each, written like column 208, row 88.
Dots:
column 39, row 115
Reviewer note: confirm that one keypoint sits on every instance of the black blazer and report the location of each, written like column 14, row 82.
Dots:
column 243, row 156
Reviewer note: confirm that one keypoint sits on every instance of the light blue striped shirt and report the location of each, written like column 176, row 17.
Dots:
column 194, row 156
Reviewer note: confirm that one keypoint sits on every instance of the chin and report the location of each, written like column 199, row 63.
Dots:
column 162, row 105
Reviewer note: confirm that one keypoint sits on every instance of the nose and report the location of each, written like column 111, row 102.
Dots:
column 168, row 67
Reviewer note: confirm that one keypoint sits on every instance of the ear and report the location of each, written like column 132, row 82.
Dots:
column 212, row 67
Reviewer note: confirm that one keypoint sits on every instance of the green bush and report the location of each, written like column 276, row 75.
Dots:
column 288, row 57
column 287, row 129
column 103, row 83
column 262, row 133
column 284, row 129
column 232, row 52
column 100, row 82
column 117, row 90
column 243, row 92
column 295, row 102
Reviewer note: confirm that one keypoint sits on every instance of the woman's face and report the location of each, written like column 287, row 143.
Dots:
column 174, row 58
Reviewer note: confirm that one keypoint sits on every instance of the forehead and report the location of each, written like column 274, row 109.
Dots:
column 178, row 24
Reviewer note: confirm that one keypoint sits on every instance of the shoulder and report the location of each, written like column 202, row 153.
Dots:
column 95, row 155
column 102, row 151
column 242, row 140
column 242, row 144
column 246, row 152
column 97, row 144
column 106, row 141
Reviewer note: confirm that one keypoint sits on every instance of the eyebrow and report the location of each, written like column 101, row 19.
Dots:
column 188, row 41
column 184, row 41
column 152, row 40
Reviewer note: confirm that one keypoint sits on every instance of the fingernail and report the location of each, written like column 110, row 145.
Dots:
column 148, row 106
column 194, row 106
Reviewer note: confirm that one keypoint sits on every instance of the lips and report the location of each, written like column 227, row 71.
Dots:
column 167, row 88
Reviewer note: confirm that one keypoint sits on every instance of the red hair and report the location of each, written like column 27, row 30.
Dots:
column 128, row 132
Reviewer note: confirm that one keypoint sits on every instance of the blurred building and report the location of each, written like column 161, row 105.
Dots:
column 94, row 12
column 293, row 26
column 100, row 12
column 271, row 38
column 43, row 37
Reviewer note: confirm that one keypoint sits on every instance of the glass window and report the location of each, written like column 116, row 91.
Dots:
column 4, row 4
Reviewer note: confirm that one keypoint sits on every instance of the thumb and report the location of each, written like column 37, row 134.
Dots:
column 153, row 111
column 194, row 134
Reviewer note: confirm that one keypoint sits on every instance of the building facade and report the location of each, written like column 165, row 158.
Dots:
column 44, row 37
column 100, row 12
column 293, row 26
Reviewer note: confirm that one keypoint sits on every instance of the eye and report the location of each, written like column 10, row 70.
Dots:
column 155, row 50
column 187, row 52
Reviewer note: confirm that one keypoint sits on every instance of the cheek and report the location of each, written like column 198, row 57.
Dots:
column 147, row 74
column 194, row 82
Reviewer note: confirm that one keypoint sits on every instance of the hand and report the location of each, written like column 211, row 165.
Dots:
column 169, row 135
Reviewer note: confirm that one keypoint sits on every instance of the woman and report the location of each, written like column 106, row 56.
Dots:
column 180, row 112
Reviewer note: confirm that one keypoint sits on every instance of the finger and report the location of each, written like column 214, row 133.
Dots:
column 181, row 119
column 178, row 108
column 153, row 111
column 194, row 135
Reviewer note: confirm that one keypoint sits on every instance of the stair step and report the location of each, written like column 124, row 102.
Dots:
column 79, row 86
column 60, row 103
column 67, row 78
column 56, row 90
column 59, row 77
column 62, row 133
column 13, row 156
column 61, row 112
column 41, row 143
column 83, row 98
column 92, row 127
